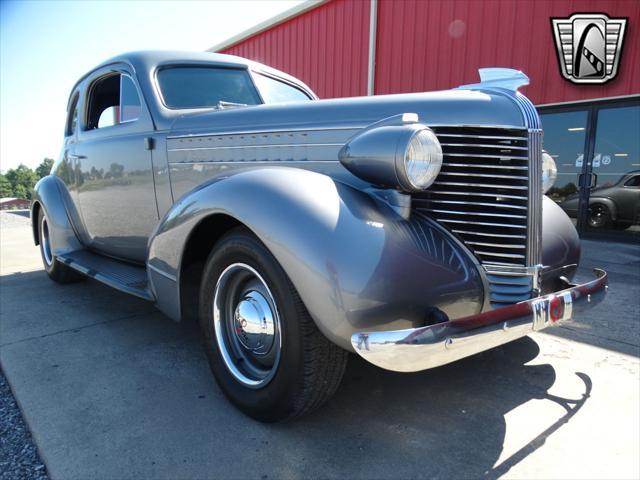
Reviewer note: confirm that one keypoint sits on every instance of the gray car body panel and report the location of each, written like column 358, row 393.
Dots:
column 357, row 264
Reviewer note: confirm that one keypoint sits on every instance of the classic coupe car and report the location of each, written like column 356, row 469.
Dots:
column 411, row 229
column 616, row 205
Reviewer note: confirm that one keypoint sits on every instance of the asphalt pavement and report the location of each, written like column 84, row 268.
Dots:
column 112, row 389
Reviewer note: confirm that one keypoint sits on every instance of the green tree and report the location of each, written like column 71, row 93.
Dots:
column 44, row 168
column 22, row 180
column 6, row 189
column 20, row 191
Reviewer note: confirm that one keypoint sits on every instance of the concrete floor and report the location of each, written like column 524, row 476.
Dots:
column 112, row 389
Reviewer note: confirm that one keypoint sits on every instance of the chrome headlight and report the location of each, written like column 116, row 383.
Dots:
column 422, row 160
column 549, row 172
column 397, row 153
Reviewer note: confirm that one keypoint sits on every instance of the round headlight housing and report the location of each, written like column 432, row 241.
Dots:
column 549, row 172
column 421, row 162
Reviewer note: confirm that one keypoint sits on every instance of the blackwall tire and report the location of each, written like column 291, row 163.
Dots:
column 274, row 365
column 57, row 271
column 599, row 216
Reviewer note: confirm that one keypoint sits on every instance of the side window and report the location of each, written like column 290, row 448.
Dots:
column 72, row 118
column 113, row 100
column 633, row 182
column 275, row 91
column 129, row 100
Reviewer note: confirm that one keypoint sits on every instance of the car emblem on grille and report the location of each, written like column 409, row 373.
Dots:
column 589, row 46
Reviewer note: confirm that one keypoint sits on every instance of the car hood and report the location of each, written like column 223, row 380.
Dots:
column 450, row 107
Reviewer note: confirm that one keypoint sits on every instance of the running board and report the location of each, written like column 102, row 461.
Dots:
column 122, row 276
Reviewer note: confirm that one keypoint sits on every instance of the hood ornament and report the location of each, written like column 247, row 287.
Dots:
column 506, row 78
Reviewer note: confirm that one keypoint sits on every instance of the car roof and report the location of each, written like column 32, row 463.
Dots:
column 147, row 60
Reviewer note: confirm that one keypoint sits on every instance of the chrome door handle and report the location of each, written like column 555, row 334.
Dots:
column 73, row 156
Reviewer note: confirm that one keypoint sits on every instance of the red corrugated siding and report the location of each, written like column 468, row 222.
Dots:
column 417, row 49
column 427, row 45
column 327, row 48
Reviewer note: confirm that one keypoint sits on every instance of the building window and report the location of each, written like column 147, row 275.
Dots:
column 597, row 151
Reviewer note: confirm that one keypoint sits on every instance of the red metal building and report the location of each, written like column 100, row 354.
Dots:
column 346, row 48
column 422, row 45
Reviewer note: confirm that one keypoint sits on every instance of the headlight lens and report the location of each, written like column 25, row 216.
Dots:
column 422, row 159
column 549, row 172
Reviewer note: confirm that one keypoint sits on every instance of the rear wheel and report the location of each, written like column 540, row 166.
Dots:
column 56, row 270
column 263, row 347
column 599, row 216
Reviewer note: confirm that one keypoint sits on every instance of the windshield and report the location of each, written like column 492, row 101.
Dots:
column 206, row 87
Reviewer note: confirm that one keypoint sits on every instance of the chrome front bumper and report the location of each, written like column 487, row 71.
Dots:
column 421, row 348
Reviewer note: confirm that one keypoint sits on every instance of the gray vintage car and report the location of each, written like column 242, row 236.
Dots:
column 411, row 229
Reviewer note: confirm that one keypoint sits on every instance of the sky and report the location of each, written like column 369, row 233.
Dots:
column 45, row 46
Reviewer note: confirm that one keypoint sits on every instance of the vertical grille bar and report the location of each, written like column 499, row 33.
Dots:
column 534, row 212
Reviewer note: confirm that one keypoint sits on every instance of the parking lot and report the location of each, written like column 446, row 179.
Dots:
column 112, row 389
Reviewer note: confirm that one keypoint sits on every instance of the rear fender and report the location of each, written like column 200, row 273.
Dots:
column 51, row 195
column 355, row 262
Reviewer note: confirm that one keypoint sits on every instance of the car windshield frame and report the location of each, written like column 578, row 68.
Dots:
column 248, row 77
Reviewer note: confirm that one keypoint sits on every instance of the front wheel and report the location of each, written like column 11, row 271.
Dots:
column 264, row 349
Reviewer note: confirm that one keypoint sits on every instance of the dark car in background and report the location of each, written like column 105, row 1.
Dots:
column 616, row 205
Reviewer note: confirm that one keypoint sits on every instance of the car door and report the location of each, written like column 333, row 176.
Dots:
column 627, row 199
column 116, row 193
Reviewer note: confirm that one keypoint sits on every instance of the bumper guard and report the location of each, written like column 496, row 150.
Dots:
column 416, row 349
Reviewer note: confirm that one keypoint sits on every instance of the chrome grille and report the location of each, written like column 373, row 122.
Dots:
column 489, row 194
column 482, row 192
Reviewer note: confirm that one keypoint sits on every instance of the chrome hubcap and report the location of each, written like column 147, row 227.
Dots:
column 247, row 325
column 46, row 243
column 254, row 323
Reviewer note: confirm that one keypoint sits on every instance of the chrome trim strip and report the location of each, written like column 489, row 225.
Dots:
column 534, row 220
column 481, row 214
column 260, row 131
column 480, row 204
column 236, row 162
column 498, row 245
column 497, row 254
column 236, row 147
column 478, row 194
column 162, row 272
column 482, row 155
column 481, row 145
column 484, row 165
column 330, row 128
column 486, row 175
column 517, row 270
column 497, row 235
column 482, row 185
column 446, row 220
column 493, row 137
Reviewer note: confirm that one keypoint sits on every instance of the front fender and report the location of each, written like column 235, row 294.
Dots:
column 560, row 242
column 51, row 195
column 355, row 263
